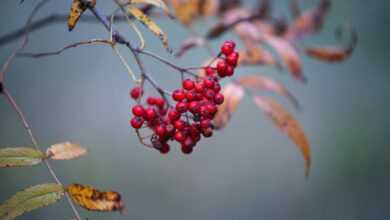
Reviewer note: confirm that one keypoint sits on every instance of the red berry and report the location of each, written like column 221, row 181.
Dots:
column 205, row 123
column 199, row 87
column 194, row 107
column 227, row 49
column 179, row 124
column 181, row 107
column 161, row 131
column 232, row 59
column 186, row 150
column 209, row 71
column 179, row 136
column 138, row 110
column 221, row 68
column 229, row 70
column 173, row 115
column 178, row 95
column 219, row 98
column 136, row 92
column 212, row 109
column 150, row 114
column 151, row 100
column 208, row 83
column 136, row 122
column 188, row 143
column 209, row 94
column 160, row 102
column 207, row 132
column 191, row 96
column 230, row 43
column 164, row 149
column 188, row 84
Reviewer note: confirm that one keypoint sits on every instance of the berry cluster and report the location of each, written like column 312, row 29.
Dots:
column 195, row 107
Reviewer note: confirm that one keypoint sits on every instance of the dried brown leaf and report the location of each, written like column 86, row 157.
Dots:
column 77, row 9
column 65, row 151
column 233, row 94
column 287, row 124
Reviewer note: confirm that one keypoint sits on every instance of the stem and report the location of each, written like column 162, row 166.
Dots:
column 27, row 127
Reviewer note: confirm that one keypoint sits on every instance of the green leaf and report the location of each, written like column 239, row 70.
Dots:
column 29, row 199
column 20, row 156
column 149, row 23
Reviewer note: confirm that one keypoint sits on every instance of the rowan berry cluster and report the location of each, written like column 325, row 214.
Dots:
column 195, row 106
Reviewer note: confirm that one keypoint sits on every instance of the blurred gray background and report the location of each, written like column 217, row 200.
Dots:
column 248, row 171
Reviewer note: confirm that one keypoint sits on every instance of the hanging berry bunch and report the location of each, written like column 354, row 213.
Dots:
column 195, row 104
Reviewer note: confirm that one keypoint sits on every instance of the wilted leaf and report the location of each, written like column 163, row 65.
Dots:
column 258, row 82
column 20, row 156
column 332, row 53
column 287, row 124
column 233, row 94
column 149, row 23
column 76, row 10
column 308, row 22
column 65, row 151
column 95, row 200
column 256, row 55
column 29, row 199
column 188, row 10
column 190, row 43
column 158, row 3
column 288, row 54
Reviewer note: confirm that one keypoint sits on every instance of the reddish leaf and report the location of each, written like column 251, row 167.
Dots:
column 288, row 54
column 233, row 94
column 258, row 82
column 287, row 124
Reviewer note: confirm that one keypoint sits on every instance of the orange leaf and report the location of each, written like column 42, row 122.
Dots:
column 287, row 124
column 233, row 94
column 95, row 200
column 265, row 83
column 288, row 54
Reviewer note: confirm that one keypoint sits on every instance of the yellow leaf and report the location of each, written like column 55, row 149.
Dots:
column 149, row 23
column 158, row 3
column 76, row 10
column 95, row 200
column 188, row 10
column 287, row 124
column 65, row 151
column 233, row 94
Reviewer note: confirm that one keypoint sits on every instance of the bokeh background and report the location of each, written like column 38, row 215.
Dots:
column 248, row 171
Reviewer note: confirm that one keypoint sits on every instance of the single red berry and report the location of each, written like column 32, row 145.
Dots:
column 186, row 150
column 217, row 87
column 199, row 87
column 138, row 110
column 173, row 115
column 178, row 95
column 230, row 43
column 136, row 92
column 151, row 100
column 150, row 114
column 219, row 98
column 188, row 143
column 191, row 96
column 161, row 131
column 232, row 59
column 207, row 132
column 209, row 94
column 221, row 68
column 181, row 107
column 179, row 124
column 180, row 136
column 227, row 49
column 205, row 123
column 164, row 149
column 209, row 71
column 194, row 107
column 136, row 122
column 212, row 109
column 208, row 83
column 203, row 110
column 160, row 102
column 194, row 132
column 188, row 84
column 229, row 70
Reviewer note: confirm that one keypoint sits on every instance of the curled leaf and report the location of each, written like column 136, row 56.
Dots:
column 77, row 9
column 94, row 200
column 190, row 43
column 287, row 124
column 158, row 3
column 20, row 156
column 333, row 54
column 233, row 94
column 65, row 151
column 288, row 54
column 258, row 82
column 256, row 55
column 29, row 199
column 149, row 23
